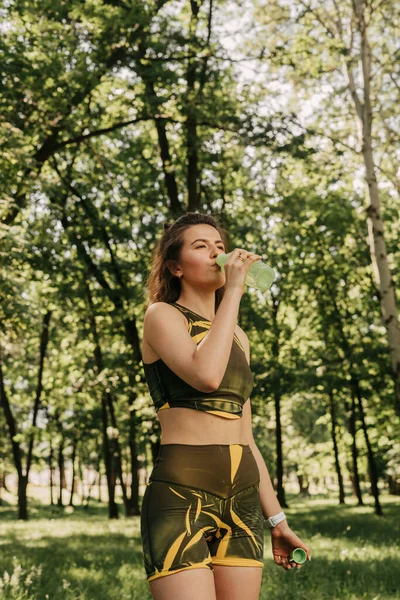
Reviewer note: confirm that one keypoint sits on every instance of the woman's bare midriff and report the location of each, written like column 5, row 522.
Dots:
column 189, row 426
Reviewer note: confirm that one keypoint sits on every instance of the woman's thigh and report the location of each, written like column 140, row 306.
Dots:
column 196, row 584
column 237, row 583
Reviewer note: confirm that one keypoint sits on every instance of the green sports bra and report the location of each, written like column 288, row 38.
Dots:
column 167, row 390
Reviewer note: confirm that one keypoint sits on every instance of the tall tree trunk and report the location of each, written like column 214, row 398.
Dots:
column 354, row 450
column 393, row 485
column 51, row 472
column 99, row 481
column 112, row 505
column 90, row 488
column 23, row 477
column 383, row 276
column 279, row 454
column 193, row 188
column 106, row 402
column 82, row 480
column 303, row 485
column 118, row 459
column 5, row 483
column 146, row 72
column 73, row 460
column 335, row 446
column 22, row 498
column 277, row 377
column 61, row 480
column 134, row 495
column 15, row 446
column 373, row 471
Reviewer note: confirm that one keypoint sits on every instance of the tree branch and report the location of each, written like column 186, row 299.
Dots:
column 84, row 137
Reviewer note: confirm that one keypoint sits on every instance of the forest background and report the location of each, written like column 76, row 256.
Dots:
column 279, row 117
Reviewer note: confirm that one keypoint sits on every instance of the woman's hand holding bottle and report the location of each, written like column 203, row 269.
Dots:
column 236, row 269
column 259, row 275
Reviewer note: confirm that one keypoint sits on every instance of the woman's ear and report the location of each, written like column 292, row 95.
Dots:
column 172, row 268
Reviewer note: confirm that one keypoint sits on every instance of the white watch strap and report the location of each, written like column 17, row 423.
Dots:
column 275, row 519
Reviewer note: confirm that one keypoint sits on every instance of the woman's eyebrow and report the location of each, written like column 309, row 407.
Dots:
column 203, row 240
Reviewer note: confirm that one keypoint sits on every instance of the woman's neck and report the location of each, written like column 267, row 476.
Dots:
column 204, row 308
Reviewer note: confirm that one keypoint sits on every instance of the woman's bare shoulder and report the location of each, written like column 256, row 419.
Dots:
column 159, row 312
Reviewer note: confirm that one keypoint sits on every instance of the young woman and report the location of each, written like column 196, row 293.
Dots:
column 209, row 492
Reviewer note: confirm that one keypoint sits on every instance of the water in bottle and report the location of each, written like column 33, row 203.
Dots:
column 260, row 276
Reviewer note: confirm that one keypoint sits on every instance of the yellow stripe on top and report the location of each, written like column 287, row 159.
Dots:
column 199, row 336
column 225, row 415
column 236, row 452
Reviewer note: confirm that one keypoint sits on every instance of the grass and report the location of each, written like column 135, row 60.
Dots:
column 63, row 554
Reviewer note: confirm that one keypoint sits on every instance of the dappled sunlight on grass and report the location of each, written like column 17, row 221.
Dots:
column 354, row 553
column 84, row 556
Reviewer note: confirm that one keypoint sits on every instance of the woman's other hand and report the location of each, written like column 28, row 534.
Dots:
column 284, row 541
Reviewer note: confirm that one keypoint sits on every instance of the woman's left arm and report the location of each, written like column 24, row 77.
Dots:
column 283, row 538
column 269, row 502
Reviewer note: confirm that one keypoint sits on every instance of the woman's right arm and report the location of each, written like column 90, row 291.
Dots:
column 201, row 366
column 212, row 354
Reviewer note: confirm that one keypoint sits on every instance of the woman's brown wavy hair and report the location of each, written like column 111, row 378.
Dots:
column 161, row 285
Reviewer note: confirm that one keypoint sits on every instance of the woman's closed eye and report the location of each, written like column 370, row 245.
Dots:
column 203, row 246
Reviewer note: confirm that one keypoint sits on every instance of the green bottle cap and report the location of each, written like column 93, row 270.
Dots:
column 298, row 555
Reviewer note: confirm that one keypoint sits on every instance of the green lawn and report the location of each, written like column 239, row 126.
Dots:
column 83, row 555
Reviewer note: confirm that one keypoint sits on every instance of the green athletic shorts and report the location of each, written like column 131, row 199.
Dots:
column 202, row 508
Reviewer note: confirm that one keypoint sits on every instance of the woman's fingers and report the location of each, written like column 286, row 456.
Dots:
column 278, row 560
column 283, row 561
column 236, row 270
column 244, row 254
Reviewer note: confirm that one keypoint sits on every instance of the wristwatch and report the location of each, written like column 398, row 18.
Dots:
column 275, row 519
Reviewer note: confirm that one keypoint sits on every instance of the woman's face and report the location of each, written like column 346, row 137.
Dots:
column 202, row 244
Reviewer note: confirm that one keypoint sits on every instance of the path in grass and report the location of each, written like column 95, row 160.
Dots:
column 84, row 556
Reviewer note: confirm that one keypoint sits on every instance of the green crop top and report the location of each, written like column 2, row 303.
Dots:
column 170, row 391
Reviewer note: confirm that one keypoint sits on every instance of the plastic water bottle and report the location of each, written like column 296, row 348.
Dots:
column 260, row 276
